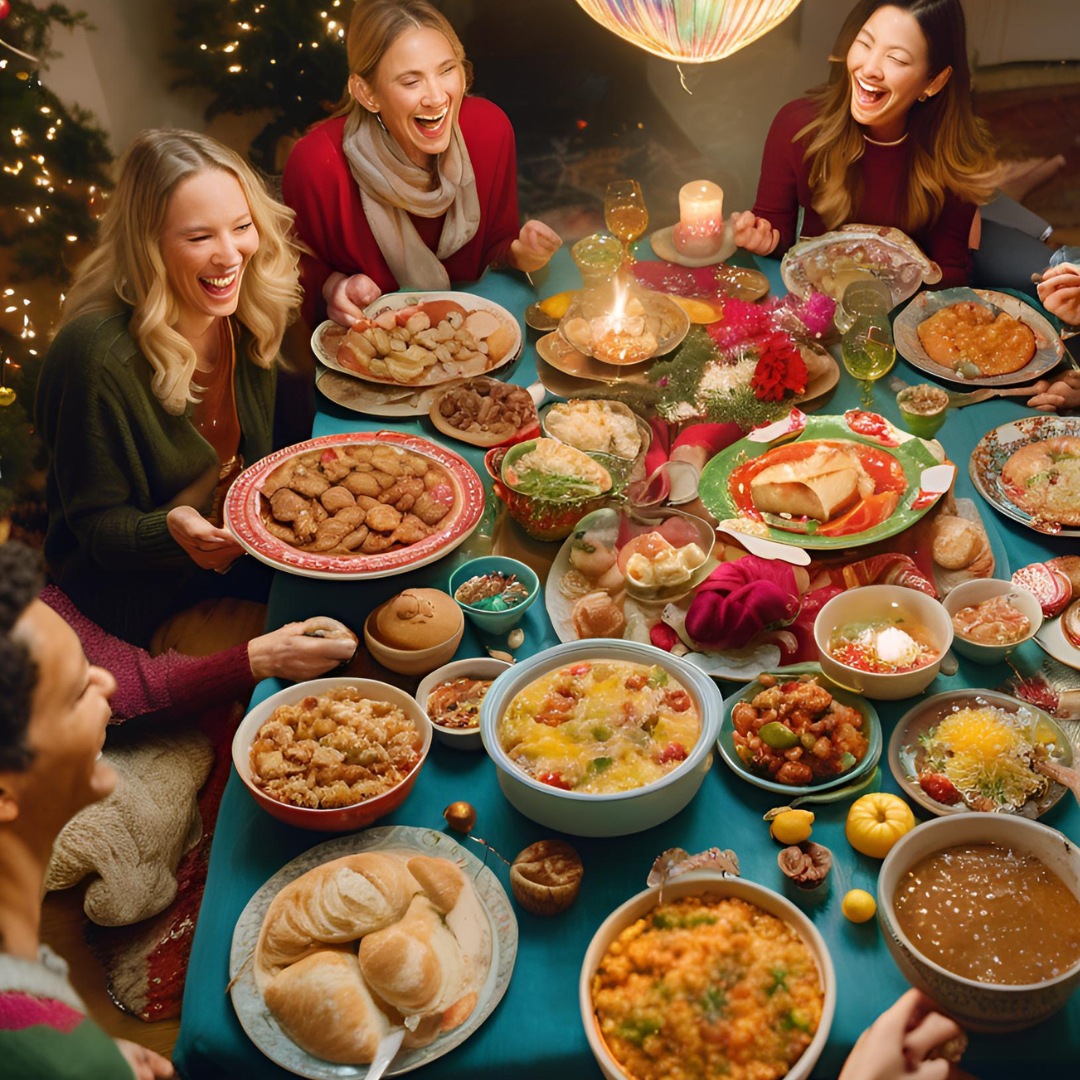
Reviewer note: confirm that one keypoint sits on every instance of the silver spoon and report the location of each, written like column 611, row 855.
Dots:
column 385, row 1053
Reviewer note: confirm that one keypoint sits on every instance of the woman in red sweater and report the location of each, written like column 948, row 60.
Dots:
column 411, row 184
column 890, row 139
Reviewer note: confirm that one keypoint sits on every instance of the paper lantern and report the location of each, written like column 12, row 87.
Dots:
column 689, row 31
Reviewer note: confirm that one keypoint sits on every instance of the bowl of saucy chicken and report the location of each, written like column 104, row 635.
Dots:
column 601, row 738
column 982, row 912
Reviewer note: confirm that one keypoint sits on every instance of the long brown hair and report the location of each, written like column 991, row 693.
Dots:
column 376, row 24
column 950, row 148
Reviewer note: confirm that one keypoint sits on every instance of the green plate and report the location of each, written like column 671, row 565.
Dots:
column 913, row 456
column 871, row 729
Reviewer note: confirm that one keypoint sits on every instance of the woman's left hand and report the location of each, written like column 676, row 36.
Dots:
column 209, row 547
column 145, row 1064
column 533, row 248
column 1059, row 291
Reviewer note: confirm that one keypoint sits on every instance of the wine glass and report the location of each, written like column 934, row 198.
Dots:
column 625, row 213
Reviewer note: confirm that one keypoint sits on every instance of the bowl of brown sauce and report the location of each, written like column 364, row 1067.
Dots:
column 982, row 912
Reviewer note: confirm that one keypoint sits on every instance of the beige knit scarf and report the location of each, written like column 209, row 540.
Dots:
column 392, row 187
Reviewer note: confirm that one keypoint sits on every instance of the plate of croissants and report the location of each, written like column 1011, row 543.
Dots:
column 318, row 968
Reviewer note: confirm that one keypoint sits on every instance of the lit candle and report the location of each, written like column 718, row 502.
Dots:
column 700, row 232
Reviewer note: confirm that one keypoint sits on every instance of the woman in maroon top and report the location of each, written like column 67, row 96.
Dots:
column 890, row 139
column 411, row 184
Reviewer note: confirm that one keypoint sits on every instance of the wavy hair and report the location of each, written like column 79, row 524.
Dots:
column 376, row 24
column 951, row 150
column 20, row 582
column 127, row 263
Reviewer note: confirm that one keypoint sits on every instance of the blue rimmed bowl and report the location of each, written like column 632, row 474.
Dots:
column 495, row 622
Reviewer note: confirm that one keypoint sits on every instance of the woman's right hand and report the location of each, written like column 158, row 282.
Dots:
column 290, row 652
column 210, row 547
column 347, row 295
column 1059, row 291
column 754, row 234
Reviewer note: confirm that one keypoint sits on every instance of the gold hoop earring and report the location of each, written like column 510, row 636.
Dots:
column 925, row 96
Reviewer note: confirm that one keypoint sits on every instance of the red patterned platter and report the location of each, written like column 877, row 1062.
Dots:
column 247, row 509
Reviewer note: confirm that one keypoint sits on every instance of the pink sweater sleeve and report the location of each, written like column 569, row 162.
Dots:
column 170, row 686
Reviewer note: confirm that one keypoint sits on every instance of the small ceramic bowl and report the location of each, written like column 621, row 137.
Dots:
column 412, row 661
column 477, row 667
column 337, row 819
column 874, row 602
column 970, row 593
column 495, row 622
column 978, row 1005
column 620, row 468
column 713, row 885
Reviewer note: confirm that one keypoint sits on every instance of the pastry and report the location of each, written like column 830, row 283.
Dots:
column 956, row 541
column 820, row 486
column 970, row 333
column 546, row 876
column 1043, row 478
column 597, row 615
column 418, row 619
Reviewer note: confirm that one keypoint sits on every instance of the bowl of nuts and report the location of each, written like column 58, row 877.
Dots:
column 494, row 592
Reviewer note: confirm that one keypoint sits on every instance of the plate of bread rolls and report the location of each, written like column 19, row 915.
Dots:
column 390, row 929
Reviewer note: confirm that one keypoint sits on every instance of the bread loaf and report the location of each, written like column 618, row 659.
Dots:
column 334, row 903
column 324, row 1007
column 820, row 486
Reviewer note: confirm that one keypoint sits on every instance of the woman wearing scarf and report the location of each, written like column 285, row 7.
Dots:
column 411, row 184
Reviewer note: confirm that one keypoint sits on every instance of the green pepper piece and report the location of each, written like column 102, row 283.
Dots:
column 778, row 736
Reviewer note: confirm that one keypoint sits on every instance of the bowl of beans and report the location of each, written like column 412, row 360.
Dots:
column 718, row 977
column 982, row 912
column 332, row 754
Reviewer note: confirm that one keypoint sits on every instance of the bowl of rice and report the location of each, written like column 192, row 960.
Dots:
column 332, row 754
column 723, row 977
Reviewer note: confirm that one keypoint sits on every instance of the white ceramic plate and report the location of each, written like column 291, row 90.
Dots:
column 1048, row 345
column 263, row 1029
column 325, row 340
column 372, row 399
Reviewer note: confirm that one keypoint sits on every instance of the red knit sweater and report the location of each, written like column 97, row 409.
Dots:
column 784, row 187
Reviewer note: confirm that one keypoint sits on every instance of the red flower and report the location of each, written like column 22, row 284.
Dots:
column 780, row 369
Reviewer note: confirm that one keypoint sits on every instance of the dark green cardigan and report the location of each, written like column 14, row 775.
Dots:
column 118, row 459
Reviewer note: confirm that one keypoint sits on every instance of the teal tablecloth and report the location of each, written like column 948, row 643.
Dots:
column 536, row 1031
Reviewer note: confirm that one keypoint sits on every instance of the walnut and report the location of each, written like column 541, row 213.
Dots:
column 807, row 864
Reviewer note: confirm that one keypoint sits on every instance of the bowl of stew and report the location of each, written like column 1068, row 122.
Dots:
column 982, row 912
column 601, row 738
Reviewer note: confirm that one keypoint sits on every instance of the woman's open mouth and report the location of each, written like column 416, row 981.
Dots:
column 220, row 286
column 431, row 125
column 866, row 94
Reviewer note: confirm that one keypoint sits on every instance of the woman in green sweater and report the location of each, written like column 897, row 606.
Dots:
column 159, row 386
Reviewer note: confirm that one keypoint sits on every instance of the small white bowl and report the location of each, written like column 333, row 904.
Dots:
column 477, row 667
column 970, row 593
column 875, row 602
column 976, row 1005
column 697, row 884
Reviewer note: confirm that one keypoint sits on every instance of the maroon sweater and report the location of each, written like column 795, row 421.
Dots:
column 167, row 687
column 330, row 216
column 784, row 187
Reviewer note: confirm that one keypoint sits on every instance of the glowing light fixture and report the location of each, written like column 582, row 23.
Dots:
column 689, row 31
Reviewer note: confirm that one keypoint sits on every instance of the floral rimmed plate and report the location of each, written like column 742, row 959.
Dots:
column 265, row 1032
column 243, row 513
column 998, row 445
column 725, row 743
column 907, row 755
column 1049, row 347
column 328, row 336
column 900, row 464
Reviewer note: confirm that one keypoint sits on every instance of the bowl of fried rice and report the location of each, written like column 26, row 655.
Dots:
column 332, row 754
column 718, row 977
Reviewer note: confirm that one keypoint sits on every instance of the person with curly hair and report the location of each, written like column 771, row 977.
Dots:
column 412, row 183
column 54, row 707
column 159, row 386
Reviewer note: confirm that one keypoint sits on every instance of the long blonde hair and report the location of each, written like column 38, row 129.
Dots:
column 950, row 148
column 127, row 263
column 376, row 24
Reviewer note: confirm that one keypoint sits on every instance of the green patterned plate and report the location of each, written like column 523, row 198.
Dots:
column 908, row 479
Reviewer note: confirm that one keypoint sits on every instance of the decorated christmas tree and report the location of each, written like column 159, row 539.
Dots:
column 53, row 174
column 282, row 57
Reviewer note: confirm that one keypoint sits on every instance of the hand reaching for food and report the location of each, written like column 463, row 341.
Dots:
column 209, row 547
column 145, row 1064
column 301, row 650
column 754, row 234
column 1057, row 395
column 909, row 1041
column 347, row 295
column 1059, row 290
column 534, row 246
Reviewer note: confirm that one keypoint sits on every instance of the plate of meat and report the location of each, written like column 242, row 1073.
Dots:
column 354, row 506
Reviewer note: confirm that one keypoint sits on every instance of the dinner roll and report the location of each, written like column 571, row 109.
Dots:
column 956, row 541
column 417, row 619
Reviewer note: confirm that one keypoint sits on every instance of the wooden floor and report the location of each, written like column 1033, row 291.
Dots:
column 62, row 931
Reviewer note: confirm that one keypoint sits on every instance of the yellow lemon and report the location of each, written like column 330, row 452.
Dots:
column 558, row 305
column 791, row 826
column 700, row 311
column 876, row 821
column 858, row 906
